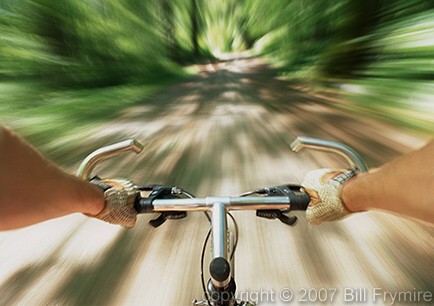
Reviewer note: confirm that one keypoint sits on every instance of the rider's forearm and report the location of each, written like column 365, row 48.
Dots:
column 404, row 186
column 32, row 189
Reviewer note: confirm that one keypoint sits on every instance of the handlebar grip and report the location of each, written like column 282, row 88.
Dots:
column 299, row 200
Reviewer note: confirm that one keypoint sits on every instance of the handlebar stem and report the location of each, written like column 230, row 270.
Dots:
column 220, row 239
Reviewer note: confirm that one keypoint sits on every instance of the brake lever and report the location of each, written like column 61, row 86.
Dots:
column 277, row 214
column 172, row 215
column 158, row 192
column 299, row 200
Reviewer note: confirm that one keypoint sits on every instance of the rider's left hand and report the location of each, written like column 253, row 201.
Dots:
column 119, row 197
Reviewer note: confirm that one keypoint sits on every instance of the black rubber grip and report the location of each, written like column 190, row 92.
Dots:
column 143, row 205
column 299, row 200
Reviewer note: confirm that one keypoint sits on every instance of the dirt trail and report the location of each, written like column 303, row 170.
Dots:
column 225, row 132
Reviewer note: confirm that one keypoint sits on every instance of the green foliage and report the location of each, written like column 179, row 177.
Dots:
column 340, row 39
column 100, row 43
column 380, row 54
column 90, row 43
column 69, row 64
column 385, row 47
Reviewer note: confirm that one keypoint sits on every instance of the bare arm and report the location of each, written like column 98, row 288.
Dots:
column 32, row 189
column 405, row 186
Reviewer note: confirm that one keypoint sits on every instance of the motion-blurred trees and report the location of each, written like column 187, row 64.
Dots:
column 112, row 42
column 343, row 38
column 379, row 55
column 95, row 43
column 387, row 45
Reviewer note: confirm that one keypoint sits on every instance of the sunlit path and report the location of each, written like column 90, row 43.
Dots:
column 225, row 132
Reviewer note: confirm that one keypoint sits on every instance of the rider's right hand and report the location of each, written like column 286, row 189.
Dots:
column 324, row 188
column 119, row 195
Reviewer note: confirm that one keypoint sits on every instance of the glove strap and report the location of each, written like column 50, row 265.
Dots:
column 344, row 176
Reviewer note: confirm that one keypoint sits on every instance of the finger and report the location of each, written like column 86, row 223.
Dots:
column 314, row 196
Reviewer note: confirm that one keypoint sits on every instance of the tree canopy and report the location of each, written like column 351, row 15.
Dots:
column 385, row 47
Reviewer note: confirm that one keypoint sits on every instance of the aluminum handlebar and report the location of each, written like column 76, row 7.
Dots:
column 351, row 156
column 89, row 163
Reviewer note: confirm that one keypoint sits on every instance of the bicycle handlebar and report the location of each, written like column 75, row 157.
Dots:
column 277, row 201
column 89, row 163
column 296, row 202
column 288, row 196
column 352, row 157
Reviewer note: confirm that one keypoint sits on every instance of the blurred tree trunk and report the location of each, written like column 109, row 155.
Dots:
column 51, row 26
column 248, row 40
column 351, row 52
column 169, row 30
column 194, row 27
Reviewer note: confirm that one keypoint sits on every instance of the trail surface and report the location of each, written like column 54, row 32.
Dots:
column 225, row 132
